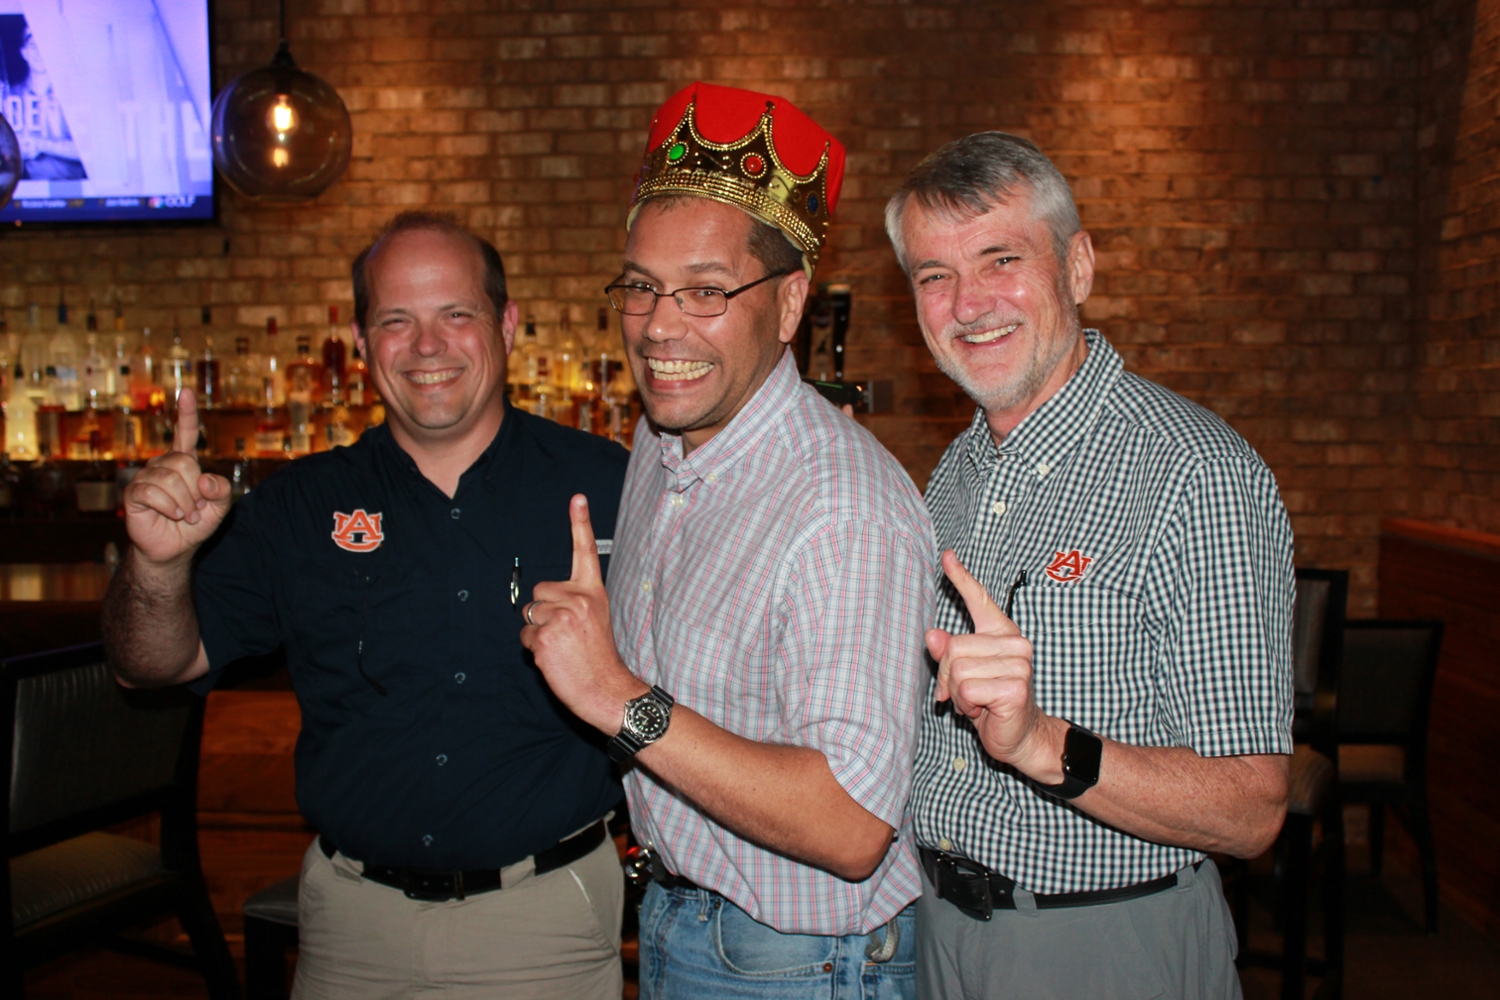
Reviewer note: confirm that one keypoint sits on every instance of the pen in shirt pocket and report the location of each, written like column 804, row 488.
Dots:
column 1010, row 595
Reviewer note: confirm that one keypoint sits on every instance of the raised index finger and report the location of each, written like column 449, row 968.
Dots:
column 982, row 607
column 185, row 439
column 585, row 549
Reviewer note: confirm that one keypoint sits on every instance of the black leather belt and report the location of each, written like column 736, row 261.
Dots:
column 437, row 886
column 978, row 892
column 667, row 880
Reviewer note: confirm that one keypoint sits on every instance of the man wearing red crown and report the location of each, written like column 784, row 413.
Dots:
column 771, row 579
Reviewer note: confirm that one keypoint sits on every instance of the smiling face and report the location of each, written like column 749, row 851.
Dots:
column 695, row 373
column 434, row 345
column 998, row 309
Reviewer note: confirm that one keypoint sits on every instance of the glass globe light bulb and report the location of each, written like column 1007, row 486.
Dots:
column 280, row 133
column 283, row 118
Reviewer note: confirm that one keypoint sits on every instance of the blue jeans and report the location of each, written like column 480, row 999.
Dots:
column 697, row 945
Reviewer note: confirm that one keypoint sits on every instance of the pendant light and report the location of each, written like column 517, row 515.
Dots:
column 279, row 132
column 10, row 162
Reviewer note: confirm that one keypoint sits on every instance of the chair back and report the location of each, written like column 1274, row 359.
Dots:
column 86, row 753
column 1317, row 641
column 1385, row 689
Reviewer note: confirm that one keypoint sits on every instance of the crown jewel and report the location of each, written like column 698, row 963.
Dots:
column 749, row 172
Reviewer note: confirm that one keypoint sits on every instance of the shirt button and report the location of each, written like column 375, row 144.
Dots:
column 454, row 513
column 712, row 477
column 945, row 845
column 1043, row 468
column 442, row 759
column 645, row 586
column 959, row 763
column 998, row 507
column 426, row 840
column 460, row 677
column 677, row 500
column 463, row 595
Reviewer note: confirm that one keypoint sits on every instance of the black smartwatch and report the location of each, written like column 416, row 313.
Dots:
column 646, row 721
column 1082, row 751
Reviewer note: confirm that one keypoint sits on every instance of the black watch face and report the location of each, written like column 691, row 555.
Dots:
column 649, row 719
column 1081, row 755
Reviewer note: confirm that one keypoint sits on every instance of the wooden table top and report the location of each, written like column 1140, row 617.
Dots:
column 76, row 582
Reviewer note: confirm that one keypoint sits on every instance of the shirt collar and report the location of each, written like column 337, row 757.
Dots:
column 1050, row 433
column 484, row 467
column 743, row 431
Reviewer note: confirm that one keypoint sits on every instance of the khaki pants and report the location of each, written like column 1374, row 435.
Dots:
column 549, row 937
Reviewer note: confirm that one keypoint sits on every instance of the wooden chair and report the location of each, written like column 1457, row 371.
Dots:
column 1317, row 640
column 1385, row 693
column 84, row 755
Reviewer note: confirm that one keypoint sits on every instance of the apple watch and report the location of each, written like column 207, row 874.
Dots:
column 646, row 721
column 1082, row 751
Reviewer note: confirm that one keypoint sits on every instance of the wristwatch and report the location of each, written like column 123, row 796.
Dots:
column 1081, row 753
column 646, row 721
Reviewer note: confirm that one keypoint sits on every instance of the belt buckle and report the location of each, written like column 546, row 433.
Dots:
column 958, row 886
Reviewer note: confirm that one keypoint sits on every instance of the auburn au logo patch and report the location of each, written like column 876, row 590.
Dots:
column 357, row 532
column 1066, row 567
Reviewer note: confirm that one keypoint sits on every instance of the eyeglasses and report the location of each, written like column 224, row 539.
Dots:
column 636, row 298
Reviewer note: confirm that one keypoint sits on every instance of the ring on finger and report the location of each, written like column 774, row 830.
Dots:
column 527, row 612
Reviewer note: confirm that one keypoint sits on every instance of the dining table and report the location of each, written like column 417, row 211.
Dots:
column 50, row 605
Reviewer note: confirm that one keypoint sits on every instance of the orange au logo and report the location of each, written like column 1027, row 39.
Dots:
column 359, row 532
column 1066, row 567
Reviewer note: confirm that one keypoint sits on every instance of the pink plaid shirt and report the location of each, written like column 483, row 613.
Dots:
column 778, row 581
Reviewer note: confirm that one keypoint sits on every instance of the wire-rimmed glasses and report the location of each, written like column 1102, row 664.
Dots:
column 638, row 298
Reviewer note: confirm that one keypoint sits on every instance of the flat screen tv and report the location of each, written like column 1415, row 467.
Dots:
column 110, row 100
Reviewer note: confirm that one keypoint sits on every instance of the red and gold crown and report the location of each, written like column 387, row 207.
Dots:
column 753, row 151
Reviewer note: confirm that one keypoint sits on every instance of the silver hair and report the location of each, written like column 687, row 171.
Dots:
column 969, row 176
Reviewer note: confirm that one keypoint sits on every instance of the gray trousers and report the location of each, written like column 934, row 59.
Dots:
column 1177, row 944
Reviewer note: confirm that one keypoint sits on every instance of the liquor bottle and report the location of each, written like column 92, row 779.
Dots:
column 271, row 366
column 242, row 376
column 20, row 418
column 126, row 430
column 210, row 388
column 337, row 430
column 357, row 385
column 88, row 438
column 177, row 371
column 270, row 423
column 544, row 394
column 335, row 352
column 63, row 358
column 33, row 353
column 145, row 376
column 520, row 367
column 302, row 382
column 565, row 365
column 94, row 385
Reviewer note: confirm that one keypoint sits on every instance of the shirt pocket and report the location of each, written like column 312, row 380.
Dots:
column 344, row 610
column 1093, row 656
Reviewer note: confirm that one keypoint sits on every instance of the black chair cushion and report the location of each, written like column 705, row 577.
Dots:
column 276, row 903
column 77, row 871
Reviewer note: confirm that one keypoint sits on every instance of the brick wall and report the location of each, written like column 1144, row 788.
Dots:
column 1455, row 453
column 1247, row 171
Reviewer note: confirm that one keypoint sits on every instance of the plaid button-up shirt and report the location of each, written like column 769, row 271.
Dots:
column 778, row 581
column 1158, row 599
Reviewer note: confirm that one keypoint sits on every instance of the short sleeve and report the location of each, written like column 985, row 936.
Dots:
column 233, row 590
column 860, row 601
column 1225, row 580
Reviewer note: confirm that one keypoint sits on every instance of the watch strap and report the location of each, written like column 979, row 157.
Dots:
column 626, row 744
column 1080, row 759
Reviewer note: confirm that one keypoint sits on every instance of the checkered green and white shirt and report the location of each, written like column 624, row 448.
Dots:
column 1158, row 599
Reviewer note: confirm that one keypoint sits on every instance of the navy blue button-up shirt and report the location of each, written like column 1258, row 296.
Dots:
column 429, row 739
